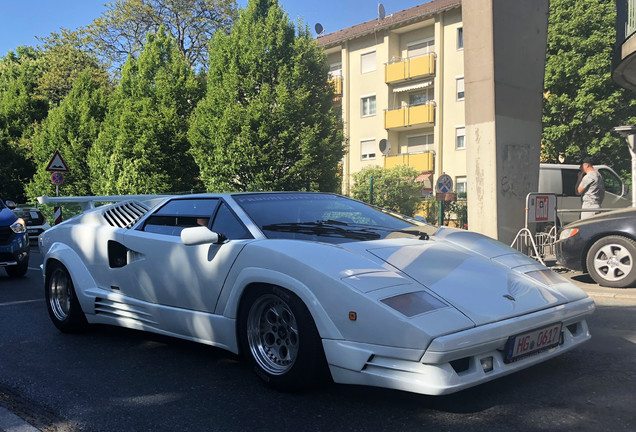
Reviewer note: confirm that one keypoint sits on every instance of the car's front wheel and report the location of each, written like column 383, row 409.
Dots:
column 279, row 338
column 61, row 300
column 610, row 261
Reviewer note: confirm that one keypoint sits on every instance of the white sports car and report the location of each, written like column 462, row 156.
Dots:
column 306, row 283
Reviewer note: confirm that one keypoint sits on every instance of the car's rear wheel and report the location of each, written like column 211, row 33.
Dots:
column 279, row 338
column 18, row 270
column 610, row 261
column 61, row 301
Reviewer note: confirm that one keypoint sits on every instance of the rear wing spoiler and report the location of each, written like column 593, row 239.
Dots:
column 88, row 202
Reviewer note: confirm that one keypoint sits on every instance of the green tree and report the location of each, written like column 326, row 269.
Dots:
column 21, row 107
column 64, row 58
column 122, row 29
column 394, row 188
column 143, row 146
column 71, row 128
column 268, row 120
column 582, row 104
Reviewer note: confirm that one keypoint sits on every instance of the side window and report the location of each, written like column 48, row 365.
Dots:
column 613, row 184
column 178, row 214
column 569, row 178
column 228, row 224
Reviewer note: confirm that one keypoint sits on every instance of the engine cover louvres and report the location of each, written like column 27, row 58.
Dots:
column 125, row 214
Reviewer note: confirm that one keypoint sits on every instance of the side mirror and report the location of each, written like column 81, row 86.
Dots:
column 625, row 189
column 200, row 235
column 11, row 205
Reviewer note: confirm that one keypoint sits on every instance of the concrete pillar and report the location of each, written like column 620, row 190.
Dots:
column 504, row 64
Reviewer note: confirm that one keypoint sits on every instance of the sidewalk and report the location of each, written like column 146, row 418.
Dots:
column 10, row 422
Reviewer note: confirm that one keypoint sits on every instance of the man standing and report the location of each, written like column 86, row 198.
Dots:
column 591, row 187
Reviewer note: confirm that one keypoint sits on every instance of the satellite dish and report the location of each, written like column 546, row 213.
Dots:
column 385, row 146
column 319, row 29
column 381, row 11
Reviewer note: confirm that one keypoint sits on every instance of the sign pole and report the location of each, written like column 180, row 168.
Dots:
column 57, row 211
column 57, row 166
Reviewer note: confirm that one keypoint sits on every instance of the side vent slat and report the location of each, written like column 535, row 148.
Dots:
column 125, row 214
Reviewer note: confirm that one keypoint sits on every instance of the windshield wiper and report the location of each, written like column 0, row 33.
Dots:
column 328, row 228
column 415, row 231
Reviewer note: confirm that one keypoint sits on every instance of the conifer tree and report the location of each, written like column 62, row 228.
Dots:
column 267, row 121
column 143, row 146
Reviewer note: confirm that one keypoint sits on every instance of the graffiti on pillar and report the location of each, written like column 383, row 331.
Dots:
column 514, row 178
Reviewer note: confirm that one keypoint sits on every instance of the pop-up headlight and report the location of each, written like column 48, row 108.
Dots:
column 547, row 277
column 414, row 303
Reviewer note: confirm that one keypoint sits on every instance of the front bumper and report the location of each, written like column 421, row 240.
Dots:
column 569, row 253
column 15, row 252
column 453, row 362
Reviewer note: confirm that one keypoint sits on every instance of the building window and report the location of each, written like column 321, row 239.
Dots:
column 460, row 38
column 418, row 144
column 460, row 88
column 367, row 106
column 367, row 149
column 420, row 48
column 460, row 138
column 367, row 62
column 421, row 97
column 460, row 186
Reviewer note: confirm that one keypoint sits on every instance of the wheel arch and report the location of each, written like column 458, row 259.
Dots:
column 63, row 255
column 256, row 278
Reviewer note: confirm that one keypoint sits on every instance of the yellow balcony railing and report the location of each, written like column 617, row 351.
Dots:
column 421, row 114
column 410, row 116
column 336, row 82
column 414, row 67
column 395, row 118
column 420, row 161
column 395, row 71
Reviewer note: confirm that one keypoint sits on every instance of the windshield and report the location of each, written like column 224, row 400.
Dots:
column 326, row 218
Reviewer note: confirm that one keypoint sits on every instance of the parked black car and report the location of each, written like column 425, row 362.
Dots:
column 603, row 246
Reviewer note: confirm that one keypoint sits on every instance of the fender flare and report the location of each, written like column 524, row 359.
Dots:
column 254, row 275
column 80, row 275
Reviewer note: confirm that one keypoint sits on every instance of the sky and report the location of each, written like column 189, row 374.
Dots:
column 22, row 20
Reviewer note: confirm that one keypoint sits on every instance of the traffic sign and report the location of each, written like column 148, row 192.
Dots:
column 57, row 164
column 57, row 178
column 444, row 184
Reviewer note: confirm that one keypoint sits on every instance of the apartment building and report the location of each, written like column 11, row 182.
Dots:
column 399, row 81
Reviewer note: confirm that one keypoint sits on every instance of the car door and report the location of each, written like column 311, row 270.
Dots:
column 162, row 270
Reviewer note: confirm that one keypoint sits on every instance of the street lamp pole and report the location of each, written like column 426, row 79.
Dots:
column 629, row 133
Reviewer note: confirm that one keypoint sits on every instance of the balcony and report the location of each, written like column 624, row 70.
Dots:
column 414, row 67
column 410, row 116
column 420, row 161
column 336, row 83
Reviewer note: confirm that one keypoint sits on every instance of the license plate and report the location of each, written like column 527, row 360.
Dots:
column 533, row 342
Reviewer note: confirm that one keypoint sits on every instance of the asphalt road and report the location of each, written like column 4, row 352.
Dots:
column 113, row 379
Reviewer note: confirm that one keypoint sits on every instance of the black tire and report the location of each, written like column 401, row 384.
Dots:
column 61, row 300
column 18, row 270
column 611, row 261
column 279, row 339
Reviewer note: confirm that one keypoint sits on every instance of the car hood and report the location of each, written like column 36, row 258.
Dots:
column 6, row 217
column 627, row 213
column 487, row 283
